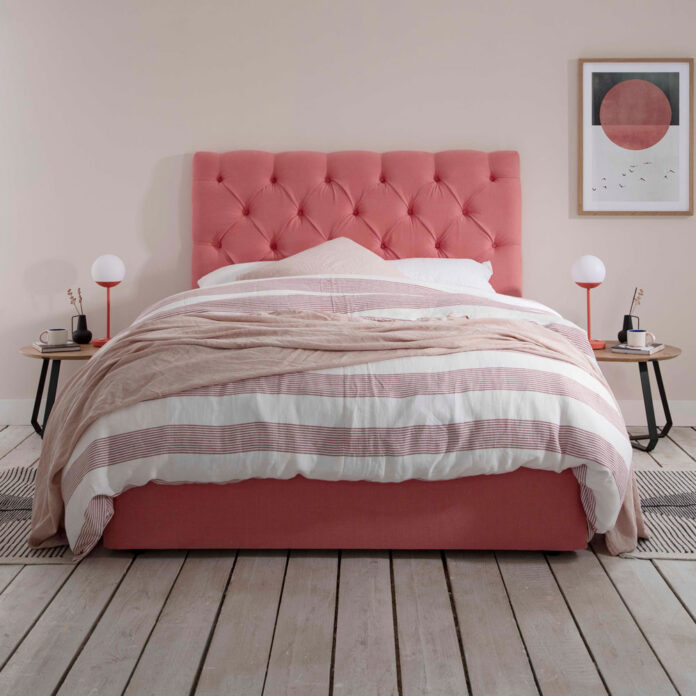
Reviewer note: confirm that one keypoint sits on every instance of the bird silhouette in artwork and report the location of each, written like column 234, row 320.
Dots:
column 647, row 162
column 621, row 186
column 593, row 188
column 604, row 178
column 642, row 179
column 672, row 170
column 604, row 187
column 666, row 176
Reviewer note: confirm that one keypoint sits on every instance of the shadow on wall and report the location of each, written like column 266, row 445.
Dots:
column 164, row 267
column 49, row 309
column 44, row 283
column 573, row 154
column 157, row 258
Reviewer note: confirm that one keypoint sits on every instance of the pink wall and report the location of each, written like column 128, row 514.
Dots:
column 104, row 103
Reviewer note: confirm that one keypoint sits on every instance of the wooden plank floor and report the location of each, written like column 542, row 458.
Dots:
column 350, row 623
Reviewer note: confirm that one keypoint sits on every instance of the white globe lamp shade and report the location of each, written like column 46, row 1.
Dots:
column 588, row 270
column 108, row 269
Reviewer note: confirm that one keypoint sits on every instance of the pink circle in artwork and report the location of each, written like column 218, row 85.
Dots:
column 635, row 114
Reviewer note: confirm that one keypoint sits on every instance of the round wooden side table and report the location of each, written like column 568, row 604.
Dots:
column 667, row 353
column 85, row 353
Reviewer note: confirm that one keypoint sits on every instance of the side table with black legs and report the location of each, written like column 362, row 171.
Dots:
column 667, row 353
column 85, row 353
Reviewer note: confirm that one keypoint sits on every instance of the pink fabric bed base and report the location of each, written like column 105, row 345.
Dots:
column 523, row 510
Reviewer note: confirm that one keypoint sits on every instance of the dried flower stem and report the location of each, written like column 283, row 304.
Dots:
column 637, row 297
column 73, row 301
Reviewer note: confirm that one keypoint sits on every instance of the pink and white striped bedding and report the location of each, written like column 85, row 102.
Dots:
column 430, row 418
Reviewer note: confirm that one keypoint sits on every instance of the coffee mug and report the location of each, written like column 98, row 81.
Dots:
column 639, row 338
column 54, row 337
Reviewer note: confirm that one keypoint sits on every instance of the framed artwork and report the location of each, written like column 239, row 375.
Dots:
column 636, row 137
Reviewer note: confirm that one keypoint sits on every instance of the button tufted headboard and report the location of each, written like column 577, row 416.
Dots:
column 252, row 206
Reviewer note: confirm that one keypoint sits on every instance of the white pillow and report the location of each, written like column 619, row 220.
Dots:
column 227, row 274
column 338, row 256
column 462, row 272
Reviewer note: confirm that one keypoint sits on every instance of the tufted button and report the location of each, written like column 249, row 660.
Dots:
column 494, row 245
column 382, row 179
column 437, row 178
column 356, row 212
column 245, row 211
column 327, row 180
column 382, row 246
column 437, row 245
column 274, row 246
column 274, row 179
column 492, row 177
column 300, row 212
column 219, row 178
column 410, row 211
column 217, row 244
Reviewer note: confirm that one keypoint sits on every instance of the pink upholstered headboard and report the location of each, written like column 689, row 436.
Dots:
column 252, row 206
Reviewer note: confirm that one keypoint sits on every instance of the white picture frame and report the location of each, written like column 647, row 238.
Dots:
column 635, row 136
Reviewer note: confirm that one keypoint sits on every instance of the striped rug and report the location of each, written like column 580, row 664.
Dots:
column 16, row 494
column 668, row 499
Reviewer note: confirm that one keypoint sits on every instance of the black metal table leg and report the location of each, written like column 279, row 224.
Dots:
column 654, row 433
column 52, row 388
column 50, row 396
column 663, row 398
column 37, row 399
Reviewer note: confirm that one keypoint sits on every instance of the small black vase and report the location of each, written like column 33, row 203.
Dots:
column 81, row 334
column 628, row 324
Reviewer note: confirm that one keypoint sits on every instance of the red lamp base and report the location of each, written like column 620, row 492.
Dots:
column 595, row 343
column 99, row 342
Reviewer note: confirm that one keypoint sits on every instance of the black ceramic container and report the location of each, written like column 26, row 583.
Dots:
column 631, row 321
column 81, row 334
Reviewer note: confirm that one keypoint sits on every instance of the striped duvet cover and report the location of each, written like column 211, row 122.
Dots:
column 429, row 418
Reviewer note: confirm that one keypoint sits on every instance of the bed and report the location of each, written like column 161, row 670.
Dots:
column 251, row 206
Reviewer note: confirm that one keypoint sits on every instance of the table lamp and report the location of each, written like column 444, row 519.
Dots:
column 588, row 272
column 107, row 271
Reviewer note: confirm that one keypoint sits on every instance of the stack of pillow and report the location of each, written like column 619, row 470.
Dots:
column 342, row 256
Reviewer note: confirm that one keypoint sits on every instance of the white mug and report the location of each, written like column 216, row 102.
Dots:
column 639, row 338
column 54, row 337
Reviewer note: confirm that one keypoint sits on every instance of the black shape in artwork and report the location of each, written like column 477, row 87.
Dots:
column 668, row 82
